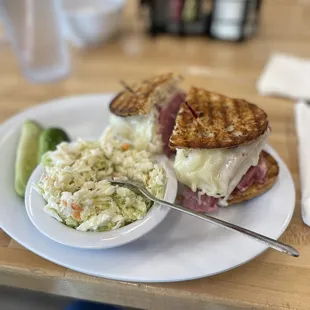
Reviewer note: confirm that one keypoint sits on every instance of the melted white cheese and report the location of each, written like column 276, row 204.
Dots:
column 142, row 130
column 217, row 172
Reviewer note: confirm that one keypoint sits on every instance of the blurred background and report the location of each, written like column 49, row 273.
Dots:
column 113, row 38
column 51, row 48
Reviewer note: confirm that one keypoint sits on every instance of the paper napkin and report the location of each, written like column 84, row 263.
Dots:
column 285, row 76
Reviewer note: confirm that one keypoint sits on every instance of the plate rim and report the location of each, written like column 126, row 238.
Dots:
column 20, row 116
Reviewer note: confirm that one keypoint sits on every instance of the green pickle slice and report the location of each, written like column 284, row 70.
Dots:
column 49, row 139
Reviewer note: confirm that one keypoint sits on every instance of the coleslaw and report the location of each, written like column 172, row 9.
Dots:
column 76, row 191
column 142, row 131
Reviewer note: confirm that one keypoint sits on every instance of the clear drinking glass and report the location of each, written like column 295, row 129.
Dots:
column 34, row 29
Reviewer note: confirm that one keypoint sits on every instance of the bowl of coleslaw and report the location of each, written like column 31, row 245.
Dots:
column 69, row 200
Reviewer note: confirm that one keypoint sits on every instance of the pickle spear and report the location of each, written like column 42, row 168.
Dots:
column 26, row 157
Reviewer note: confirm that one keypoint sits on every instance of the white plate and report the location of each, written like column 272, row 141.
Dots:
column 65, row 235
column 180, row 248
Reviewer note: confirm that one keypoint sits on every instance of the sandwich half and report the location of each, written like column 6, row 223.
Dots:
column 219, row 145
column 143, row 114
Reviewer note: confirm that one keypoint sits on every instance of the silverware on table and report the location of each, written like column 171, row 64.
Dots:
column 272, row 243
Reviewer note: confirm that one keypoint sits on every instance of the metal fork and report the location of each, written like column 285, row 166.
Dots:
column 272, row 243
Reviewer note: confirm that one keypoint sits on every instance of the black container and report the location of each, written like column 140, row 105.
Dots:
column 233, row 20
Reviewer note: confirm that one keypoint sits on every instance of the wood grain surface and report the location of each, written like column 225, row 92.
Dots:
column 272, row 280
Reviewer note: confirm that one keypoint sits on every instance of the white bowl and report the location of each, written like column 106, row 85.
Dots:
column 90, row 22
column 65, row 235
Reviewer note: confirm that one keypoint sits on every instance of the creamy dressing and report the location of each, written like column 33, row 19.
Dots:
column 216, row 172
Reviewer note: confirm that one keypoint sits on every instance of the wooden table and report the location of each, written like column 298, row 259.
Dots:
column 273, row 280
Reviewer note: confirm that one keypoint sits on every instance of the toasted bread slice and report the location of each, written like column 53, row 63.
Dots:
column 223, row 122
column 145, row 95
column 258, row 188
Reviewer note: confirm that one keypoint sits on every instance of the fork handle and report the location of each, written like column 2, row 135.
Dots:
column 272, row 243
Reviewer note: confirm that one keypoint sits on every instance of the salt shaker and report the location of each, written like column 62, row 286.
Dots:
column 234, row 20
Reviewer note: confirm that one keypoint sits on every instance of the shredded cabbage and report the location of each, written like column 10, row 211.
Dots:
column 142, row 131
column 77, row 193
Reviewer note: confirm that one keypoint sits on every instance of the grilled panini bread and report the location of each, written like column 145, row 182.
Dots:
column 145, row 95
column 143, row 115
column 219, row 145
column 223, row 122
column 257, row 189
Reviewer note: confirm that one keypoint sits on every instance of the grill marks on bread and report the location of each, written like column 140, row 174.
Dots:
column 145, row 95
column 227, row 122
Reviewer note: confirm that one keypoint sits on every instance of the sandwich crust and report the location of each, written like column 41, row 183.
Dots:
column 145, row 95
column 258, row 188
column 223, row 122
